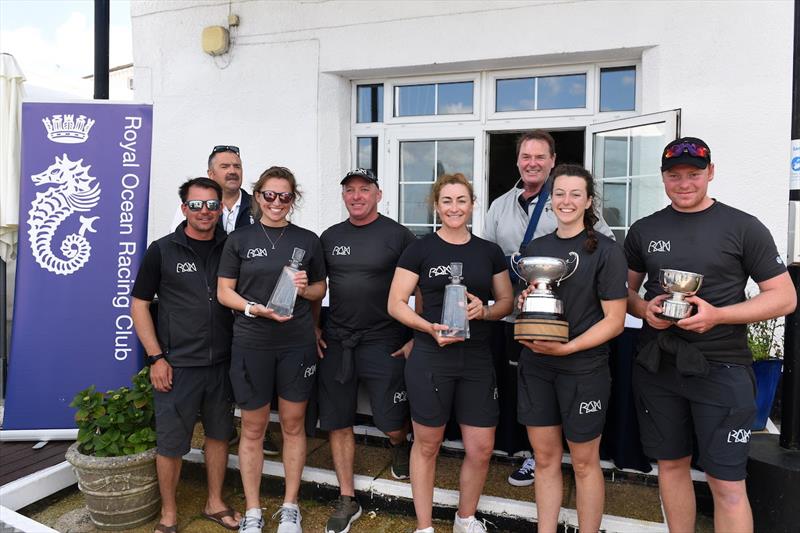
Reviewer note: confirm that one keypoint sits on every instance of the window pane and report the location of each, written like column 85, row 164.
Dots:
column 420, row 231
column 367, row 156
column 370, row 103
column 618, row 89
column 455, row 156
column 455, row 98
column 614, row 200
column 416, row 161
column 514, row 95
column 415, row 100
column 612, row 155
column 414, row 204
column 561, row 92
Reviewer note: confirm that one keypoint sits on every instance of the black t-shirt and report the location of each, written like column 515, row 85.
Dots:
column 149, row 277
column 360, row 261
column 601, row 275
column 727, row 246
column 249, row 258
column 430, row 258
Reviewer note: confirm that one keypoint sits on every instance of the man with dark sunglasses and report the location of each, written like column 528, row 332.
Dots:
column 189, row 348
column 694, row 377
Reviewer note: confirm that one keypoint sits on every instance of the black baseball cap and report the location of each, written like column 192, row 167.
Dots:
column 686, row 151
column 365, row 173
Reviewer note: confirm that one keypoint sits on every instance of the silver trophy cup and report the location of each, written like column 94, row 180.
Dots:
column 542, row 313
column 680, row 284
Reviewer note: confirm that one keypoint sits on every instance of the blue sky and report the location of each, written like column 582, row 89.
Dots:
column 53, row 40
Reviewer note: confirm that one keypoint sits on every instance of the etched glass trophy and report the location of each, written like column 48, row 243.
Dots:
column 285, row 292
column 454, row 307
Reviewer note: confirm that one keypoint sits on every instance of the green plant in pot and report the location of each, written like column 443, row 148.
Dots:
column 765, row 340
column 114, row 456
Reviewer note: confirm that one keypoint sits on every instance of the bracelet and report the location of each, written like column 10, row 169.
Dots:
column 486, row 312
column 247, row 308
column 151, row 359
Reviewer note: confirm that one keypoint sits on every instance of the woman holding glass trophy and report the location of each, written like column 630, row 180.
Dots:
column 269, row 274
column 455, row 275
column 565, row 386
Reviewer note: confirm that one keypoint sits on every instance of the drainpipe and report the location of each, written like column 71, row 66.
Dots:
column 102, row 15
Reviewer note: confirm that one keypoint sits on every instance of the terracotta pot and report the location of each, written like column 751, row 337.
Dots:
column 120, row 492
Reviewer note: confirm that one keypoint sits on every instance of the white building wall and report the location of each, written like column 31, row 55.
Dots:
column 283, row 93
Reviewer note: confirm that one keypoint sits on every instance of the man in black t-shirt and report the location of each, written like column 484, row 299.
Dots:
column 189, row 349
column 694, row 375
column 361, row 342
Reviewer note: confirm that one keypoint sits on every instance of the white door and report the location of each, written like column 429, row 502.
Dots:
column 415, row 158
column 625, row 156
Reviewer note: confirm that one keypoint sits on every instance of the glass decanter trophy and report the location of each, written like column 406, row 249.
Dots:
column 454, row 307
column 285, row 292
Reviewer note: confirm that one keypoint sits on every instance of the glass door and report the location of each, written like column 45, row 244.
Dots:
column 626, row 158
column 416, row 160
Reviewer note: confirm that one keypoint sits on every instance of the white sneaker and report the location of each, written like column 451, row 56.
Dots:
column 251, row 524
column 289, row 518
column 468, row 525
column 426, row 530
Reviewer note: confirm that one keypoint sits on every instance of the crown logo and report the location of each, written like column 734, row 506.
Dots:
column 66, row 129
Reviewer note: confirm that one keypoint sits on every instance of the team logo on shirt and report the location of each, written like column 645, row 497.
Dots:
column 257, row 252
column 658, row 246
column 185, row 267
column 310, row 371
column 779, row 260
column 739, row 436
column 590, row 407
column 400, row 396
column 341, row 250
column 440, row 270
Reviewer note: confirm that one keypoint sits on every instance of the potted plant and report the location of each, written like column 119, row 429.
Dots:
column 114, row 456
column 766, row 342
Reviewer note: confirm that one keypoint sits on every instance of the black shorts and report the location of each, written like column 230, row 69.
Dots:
column 577, row 402
column 257, row 373
column 203, row 389
column 719, row 408
column 382, row 374
column 455, row 377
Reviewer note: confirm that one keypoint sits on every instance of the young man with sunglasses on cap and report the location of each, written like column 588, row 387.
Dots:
column 694, row 375
column 189, row 349
column 361, row 342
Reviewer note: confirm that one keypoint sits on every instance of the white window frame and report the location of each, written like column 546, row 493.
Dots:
column 389, row 88
column 359, row 126
column 637, row 109
column 390, row 203
column 588, row 70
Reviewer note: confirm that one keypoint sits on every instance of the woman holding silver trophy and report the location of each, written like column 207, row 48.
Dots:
column 455, row 275
column 564, row 384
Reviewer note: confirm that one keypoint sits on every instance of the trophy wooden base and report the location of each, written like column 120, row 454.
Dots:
column 529, row 328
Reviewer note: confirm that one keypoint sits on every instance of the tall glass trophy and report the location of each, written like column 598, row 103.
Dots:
column 285, row 292
column 454, row 307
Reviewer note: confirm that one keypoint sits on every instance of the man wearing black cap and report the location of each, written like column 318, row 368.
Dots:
column 361, row 342
column 694, row 375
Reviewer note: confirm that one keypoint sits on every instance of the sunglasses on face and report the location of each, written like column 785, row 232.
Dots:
column 283, row 197
column 225, row 148
column 694, row 150
column 197, row 205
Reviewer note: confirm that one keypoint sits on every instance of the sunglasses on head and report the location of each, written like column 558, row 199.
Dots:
column 283, row 197
column 695, row 150
column 225, row 148
column 197, row 205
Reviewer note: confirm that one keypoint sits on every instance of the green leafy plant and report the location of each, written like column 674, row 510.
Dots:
column 119, row 422
column 765, row 339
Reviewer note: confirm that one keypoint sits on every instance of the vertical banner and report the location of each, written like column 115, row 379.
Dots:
column 82, row 234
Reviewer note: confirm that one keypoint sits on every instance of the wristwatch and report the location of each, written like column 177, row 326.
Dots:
column 151, row 359
column 247, row 308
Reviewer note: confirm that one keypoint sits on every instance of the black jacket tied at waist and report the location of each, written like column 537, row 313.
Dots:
column 349, row 340
column 689, row 360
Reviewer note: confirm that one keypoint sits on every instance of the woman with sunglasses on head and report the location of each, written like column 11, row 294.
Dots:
column 271, row 352
column 565, row 387
column 444, row 373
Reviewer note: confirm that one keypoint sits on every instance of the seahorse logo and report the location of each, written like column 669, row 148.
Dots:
column 73, row 193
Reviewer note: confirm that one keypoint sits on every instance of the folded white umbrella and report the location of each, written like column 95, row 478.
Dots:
column 11, row 93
